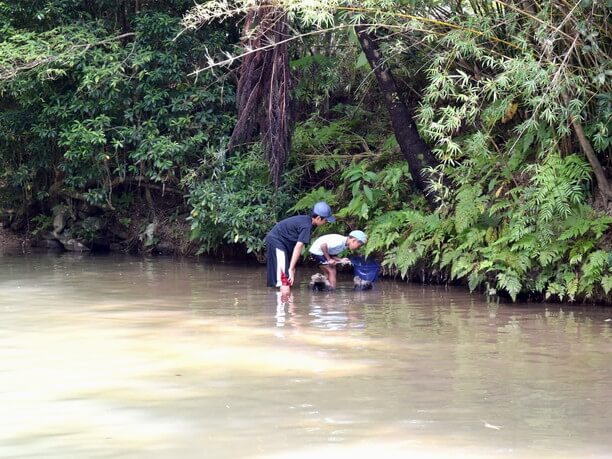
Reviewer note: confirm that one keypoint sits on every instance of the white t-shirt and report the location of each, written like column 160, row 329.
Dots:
column 336, row 243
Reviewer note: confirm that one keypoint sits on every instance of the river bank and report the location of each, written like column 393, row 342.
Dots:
column 10, row 241
column 170, row 239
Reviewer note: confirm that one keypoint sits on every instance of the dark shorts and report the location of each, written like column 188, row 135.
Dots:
column 319, row 259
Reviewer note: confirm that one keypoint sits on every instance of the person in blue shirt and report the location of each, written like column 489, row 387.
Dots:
column 286, row 239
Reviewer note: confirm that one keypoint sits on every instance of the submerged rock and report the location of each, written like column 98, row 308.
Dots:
column 164, row 248
column 49, row 244
column 72, row 245
column 360, row 284
column 319, row 283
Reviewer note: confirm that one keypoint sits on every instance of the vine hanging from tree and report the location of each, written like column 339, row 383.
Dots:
column 263, row 88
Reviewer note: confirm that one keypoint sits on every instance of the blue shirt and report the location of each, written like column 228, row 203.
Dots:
column 290, row 231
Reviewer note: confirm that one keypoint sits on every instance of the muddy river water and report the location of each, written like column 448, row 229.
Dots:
column 121, row 357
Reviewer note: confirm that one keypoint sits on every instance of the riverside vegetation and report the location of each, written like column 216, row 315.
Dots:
column 470, row 139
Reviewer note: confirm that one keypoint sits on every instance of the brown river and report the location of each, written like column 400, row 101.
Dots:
column 121, row 357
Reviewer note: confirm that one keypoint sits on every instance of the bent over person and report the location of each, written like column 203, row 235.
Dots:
column 325, row 251
column 286, row 239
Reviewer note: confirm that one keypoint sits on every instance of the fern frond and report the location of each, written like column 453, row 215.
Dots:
column 510, row 282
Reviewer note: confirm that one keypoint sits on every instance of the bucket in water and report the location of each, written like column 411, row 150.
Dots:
column 366, row 269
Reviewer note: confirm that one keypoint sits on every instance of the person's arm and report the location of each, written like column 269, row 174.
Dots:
column 295, row 256
column 330, row 259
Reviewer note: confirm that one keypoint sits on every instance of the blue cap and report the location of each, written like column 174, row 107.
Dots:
column 359, row 235
column 323, row 210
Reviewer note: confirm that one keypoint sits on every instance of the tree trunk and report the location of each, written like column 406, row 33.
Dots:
column 414, row 149
column 603, row 184
column 263, row 87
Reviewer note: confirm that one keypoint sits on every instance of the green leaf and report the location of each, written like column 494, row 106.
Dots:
column 362, row 61
column 606, row 283
column 474, row 280
column 368, row 192
column 510, row 282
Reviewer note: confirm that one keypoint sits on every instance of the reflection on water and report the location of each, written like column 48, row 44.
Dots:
column 105, row 357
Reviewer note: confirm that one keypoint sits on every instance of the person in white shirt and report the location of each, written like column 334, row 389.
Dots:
column 326, row 249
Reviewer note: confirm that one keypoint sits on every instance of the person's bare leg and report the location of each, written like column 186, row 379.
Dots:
column 330, row 271
column 325, row 270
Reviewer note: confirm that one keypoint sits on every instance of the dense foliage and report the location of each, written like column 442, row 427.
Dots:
column 90, row 110
column 512, row 98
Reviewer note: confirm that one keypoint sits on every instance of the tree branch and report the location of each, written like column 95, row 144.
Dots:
column 8, row 73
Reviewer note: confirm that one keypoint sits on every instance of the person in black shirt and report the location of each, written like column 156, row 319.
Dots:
column 288, row 237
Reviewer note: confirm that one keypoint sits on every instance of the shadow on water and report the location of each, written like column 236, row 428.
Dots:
column 119, row 356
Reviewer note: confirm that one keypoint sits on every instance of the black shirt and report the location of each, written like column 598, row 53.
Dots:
column 289, row 231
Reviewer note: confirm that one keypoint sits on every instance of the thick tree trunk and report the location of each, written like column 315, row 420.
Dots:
column 603, row 184
column 417, row 153
column 263, row 88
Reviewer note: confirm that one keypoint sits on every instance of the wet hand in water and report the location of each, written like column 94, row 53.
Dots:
column 286, row 281
column 291, row 276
